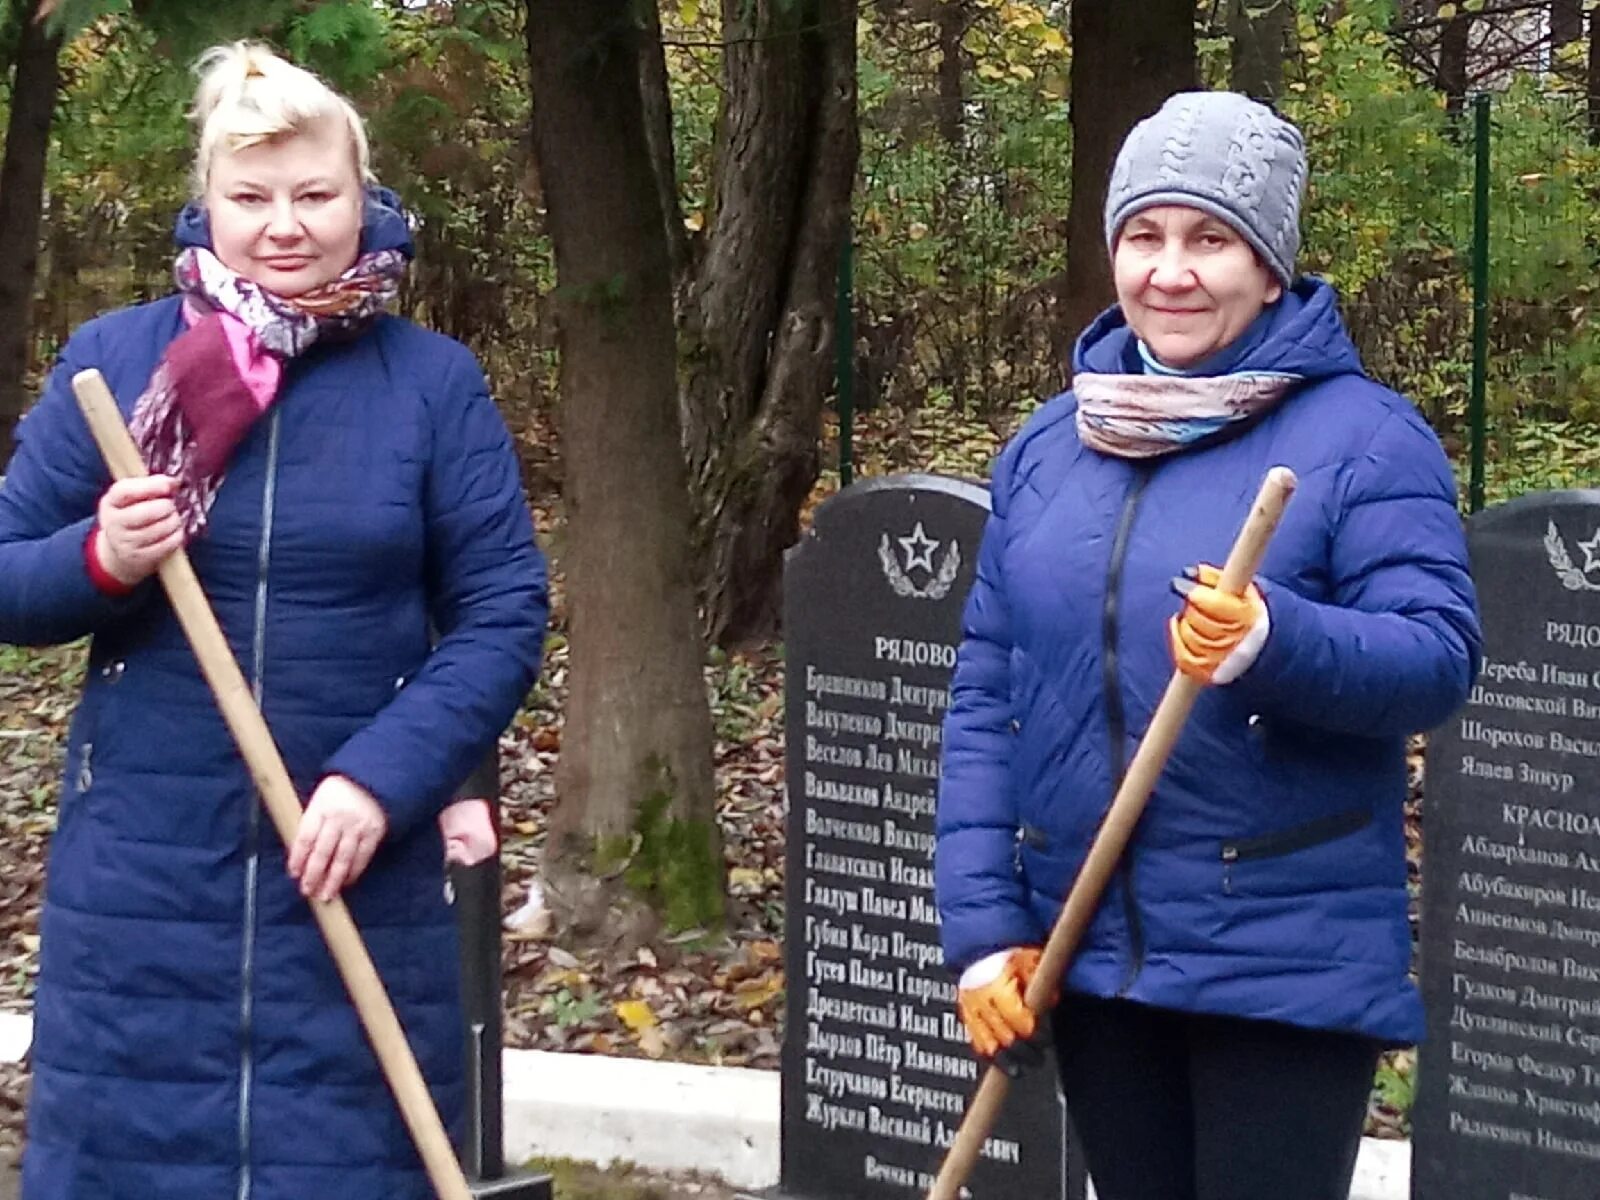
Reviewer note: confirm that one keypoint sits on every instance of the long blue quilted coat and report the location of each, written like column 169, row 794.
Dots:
column 1268, row 877
column 193, row 1040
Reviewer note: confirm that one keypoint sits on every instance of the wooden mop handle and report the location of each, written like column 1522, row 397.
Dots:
column 260, row 752
column 1115, row 831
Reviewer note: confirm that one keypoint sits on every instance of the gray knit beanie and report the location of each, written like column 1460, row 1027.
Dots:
column 1224, row 154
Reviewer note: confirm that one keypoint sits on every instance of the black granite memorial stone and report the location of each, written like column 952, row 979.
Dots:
column 877, row 1072
column 1508, row 1101
column 476, row 894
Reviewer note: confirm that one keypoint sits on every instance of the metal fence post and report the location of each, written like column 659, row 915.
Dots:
column 1480, row 298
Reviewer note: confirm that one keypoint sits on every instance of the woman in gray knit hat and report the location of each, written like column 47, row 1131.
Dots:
column 1218, row 1029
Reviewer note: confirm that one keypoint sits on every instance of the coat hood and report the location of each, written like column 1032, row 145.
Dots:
column 1305, row 337
column 383, row 224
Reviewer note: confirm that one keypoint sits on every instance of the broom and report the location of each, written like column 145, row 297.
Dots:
column 1115, row 831
column 271, row 777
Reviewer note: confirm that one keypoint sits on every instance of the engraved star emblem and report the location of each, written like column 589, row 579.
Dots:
column 1591, row 552
column 919, row 548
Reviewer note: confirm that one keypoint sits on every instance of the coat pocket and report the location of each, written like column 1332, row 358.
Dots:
column 1308, row 835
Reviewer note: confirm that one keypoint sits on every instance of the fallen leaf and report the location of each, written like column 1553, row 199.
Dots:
column 636, row 1015
column 651, row 1042
column 753, row 993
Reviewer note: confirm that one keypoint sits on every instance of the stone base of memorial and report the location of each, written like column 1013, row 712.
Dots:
column 513, row 1187
column 877, row 1072
column 1508, row 1101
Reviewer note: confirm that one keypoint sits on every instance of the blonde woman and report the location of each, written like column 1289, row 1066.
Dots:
column 346, row 490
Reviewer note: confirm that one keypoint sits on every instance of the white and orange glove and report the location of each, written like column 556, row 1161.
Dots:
column 1217, row 635
column 989, row 1001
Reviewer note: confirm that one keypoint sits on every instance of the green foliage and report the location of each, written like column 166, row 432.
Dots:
column 21, row 661
column 961, row 209
column 445, row 91
column 344, row 40
column 1395, row 1085
column 568, row 1009
column 449, row 119
column 574, row 1180
column 1389, row 220
column 1388, row 216
column 734, row 702
column 1536, row 454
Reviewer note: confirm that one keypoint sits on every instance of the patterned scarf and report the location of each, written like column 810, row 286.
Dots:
column 1145, row 416
column 217, row 378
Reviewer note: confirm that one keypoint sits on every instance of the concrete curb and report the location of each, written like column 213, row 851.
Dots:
column 676, row 1117
column 665, row 1116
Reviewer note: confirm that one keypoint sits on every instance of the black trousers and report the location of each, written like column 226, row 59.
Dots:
column 1176, row 1106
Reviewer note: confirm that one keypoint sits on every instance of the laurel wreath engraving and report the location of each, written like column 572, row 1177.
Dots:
column 937, row 588
column 1572, row 579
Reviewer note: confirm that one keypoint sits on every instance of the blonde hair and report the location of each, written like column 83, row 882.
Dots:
column 249, row 95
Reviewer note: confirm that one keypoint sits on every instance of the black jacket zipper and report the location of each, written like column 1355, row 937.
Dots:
column 1291, row 841
column 1116, row 719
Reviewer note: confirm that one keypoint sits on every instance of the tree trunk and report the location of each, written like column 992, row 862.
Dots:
column 1566, row 23
column 1594, row 76
column 657, row 93
column 950, row 205
column 953, row 19
column 757, row 323
column 1259, row 33
column 1454, row 42
column 634, row 779
column 33, row 101
column 1122, row 70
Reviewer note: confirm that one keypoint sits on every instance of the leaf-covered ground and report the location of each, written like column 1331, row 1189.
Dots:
column 695, row 995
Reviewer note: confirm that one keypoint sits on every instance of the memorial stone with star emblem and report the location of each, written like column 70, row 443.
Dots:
column 877, row 1072
column 1508, row 1099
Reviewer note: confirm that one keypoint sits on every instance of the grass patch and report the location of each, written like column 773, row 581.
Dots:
column 573, row 1180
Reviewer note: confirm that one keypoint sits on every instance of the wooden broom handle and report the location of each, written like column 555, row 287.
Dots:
column 260, row 752
column 1112, row 838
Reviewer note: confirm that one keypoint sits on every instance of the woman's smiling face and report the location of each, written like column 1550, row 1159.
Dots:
column 1188, row 284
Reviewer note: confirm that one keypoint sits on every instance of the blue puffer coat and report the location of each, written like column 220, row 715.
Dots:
column 1268, row 876
column 193, row 1040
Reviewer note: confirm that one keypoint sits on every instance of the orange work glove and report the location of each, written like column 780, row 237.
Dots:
column 1217, row 635
column 989, row 999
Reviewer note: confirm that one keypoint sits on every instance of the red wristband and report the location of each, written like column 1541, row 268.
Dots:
column 104, row 581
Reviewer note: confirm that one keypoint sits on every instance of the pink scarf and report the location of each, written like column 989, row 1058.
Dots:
column 219, row 376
